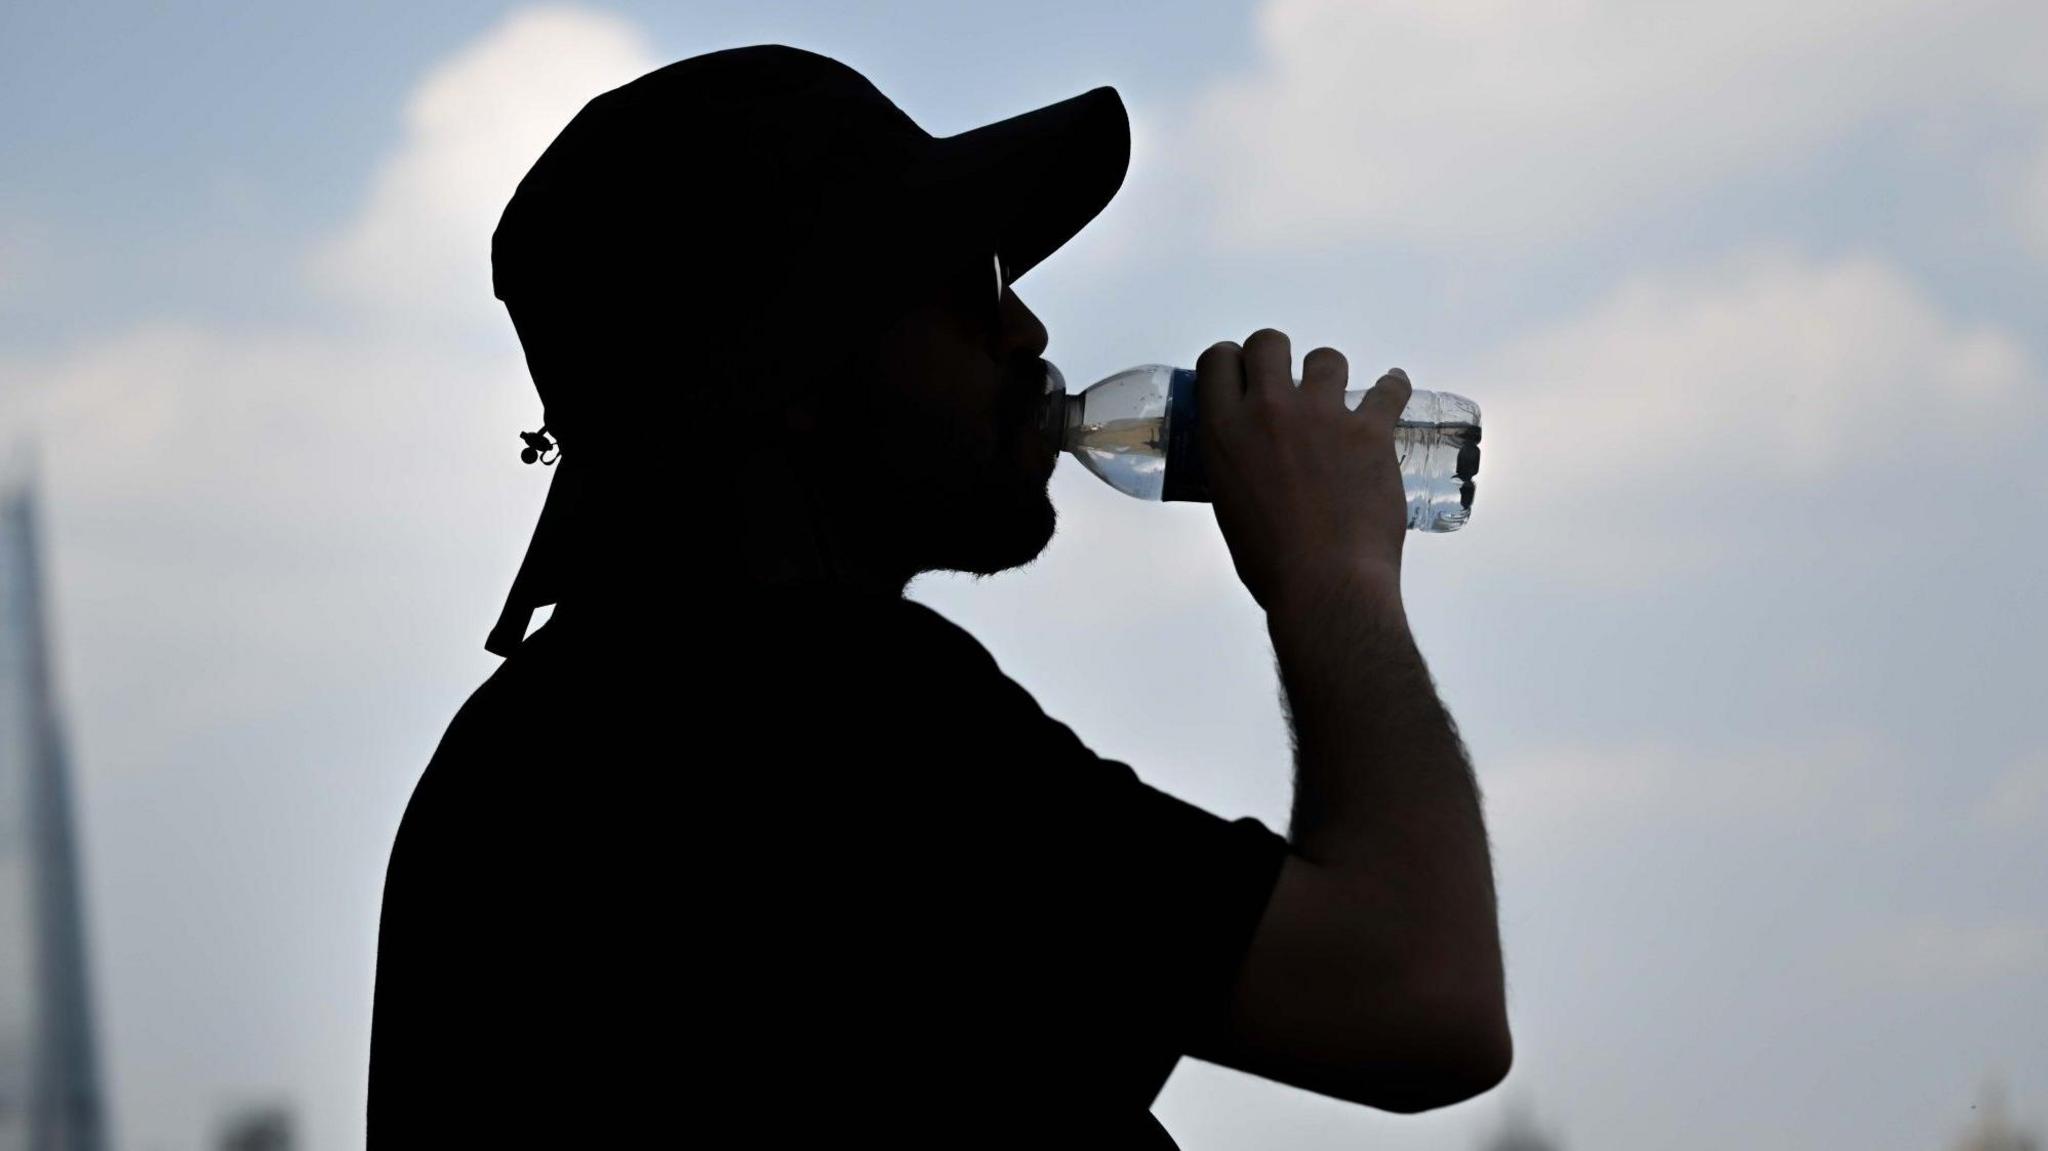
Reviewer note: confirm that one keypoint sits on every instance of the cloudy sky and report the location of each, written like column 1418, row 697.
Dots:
column 1743, row 635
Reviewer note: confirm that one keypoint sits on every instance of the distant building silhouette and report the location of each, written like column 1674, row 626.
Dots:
column 1993, row 1131
column 265, row 1128
column 49, row 1072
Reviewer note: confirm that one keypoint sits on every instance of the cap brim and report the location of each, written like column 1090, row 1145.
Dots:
column 1029, row 183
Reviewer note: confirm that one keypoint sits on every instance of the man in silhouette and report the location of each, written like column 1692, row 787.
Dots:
column 743, row 847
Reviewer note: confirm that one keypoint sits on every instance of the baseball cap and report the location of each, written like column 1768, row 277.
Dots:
column 726, row 186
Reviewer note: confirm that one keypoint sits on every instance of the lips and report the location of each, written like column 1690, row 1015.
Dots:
column 1023, row 394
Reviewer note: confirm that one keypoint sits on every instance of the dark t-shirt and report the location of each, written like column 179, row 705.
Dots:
column 798, row 867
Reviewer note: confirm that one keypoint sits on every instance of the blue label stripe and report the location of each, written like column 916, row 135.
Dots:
column 1186, row 479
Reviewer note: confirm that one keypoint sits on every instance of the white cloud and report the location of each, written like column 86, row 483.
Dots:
column 263, row 426
column 472, row 128
column 1757, row 381
column 271, row 508
column 282, row 508
column 1490, row 123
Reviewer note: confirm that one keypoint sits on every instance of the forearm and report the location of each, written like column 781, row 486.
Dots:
column 1384, row 794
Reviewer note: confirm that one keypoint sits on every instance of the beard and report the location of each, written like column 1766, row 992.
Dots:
column 1002, row 525
column 975, row 506
column 950, row 495
column 1003, row 518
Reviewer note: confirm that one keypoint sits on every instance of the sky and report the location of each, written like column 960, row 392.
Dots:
column 1742, row 635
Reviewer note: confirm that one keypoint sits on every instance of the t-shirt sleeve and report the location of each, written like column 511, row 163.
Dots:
column 1151, row 901
column 1184, row 891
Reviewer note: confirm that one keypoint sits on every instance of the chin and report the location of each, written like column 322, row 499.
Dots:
column 991, row 543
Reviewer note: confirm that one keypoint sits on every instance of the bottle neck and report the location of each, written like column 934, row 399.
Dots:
column 1060, row 415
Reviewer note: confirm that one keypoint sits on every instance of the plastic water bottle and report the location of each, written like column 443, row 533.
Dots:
column 1136, row 431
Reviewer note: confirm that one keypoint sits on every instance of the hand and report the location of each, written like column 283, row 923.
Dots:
column 1307, row 492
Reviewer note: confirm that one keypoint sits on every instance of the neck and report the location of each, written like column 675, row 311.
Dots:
column 799, row 522
column 768, row 523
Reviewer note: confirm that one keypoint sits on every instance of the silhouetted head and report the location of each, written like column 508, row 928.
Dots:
column 769, row 321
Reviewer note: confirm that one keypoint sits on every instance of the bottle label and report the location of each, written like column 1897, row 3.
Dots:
column 1185, row 480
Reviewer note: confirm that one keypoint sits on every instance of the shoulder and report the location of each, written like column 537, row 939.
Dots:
column 947, row 659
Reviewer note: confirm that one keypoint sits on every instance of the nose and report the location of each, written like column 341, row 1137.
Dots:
column 1021, row 329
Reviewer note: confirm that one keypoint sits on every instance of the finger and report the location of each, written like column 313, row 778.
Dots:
column 1268, row 366
column 1388, row 395
column 1325, row 373
column 1219, row 381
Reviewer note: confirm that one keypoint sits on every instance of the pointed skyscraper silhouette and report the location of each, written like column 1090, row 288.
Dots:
column 49, row 1072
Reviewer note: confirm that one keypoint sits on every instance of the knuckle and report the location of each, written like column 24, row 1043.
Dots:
column 1220, row 360
column 1326, row 360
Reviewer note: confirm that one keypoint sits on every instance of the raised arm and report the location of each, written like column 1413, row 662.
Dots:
column 1375, row 975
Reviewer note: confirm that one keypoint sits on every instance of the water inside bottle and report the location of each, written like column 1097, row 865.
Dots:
column 1128, row 454
column 1439, row 463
